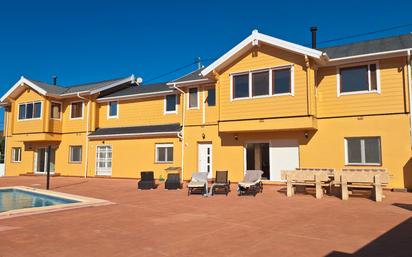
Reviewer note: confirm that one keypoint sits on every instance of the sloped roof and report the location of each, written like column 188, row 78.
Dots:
column 146, row 130
column 379, row 45
column 194, row 76
column 140, row 90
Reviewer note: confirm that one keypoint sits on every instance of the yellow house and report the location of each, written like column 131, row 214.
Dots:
column 265, row 104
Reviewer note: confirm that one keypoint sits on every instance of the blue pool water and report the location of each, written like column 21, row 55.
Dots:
column 12, row 199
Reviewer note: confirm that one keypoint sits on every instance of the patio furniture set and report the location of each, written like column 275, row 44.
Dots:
column 250, row 185
column 347, row 180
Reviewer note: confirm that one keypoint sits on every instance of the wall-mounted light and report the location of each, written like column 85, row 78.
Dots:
column 203, row 135
column 306, row 134
column 236, row 137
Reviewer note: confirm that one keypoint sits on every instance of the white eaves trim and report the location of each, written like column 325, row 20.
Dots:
column 366, row 57
column 190, row 82
column 131, row 79
column 253, row 40
column 19, row 83
column 149, row 134
column 135, row 96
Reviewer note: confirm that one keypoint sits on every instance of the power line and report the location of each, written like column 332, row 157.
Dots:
column 364, row 34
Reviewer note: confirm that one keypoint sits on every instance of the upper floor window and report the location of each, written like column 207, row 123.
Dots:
column 363, row 151
column 16, row 154
column 359, row 79
column 164, row 153
column 211, row 97
column 30, row 110
column 274, row 81
column 193, row 98
column 170, row 104
column 113, row 109
column 56, row 110
column 76, row 110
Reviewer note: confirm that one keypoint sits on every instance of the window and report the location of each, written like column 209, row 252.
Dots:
column 56, row 109
column 193, row 98
column 281, row 81
column 260, row 83
column 211, row 97
column 362, row 78
column 273, row 81
column 75, row 153
column 241, row 86
column 363, row 151
column 16, row 154
column 164, row 153
column 113, row 109
column 170, row 104
column 76, row 110
column 29, row 111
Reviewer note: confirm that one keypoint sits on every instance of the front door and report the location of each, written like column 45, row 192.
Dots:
column 41, row 158
column 284, row 155
column 205, row 159
column 104, row 160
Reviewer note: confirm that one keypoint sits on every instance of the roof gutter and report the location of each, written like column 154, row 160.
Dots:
column 182, row 133
column 148, row 134
column 135, row 96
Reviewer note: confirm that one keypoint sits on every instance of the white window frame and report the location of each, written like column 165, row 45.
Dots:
column 163, row 145
column 117, row 110
column 188, row 99
column 363, row 161
column 270, row 70
column 165, row 111
column 369, row 91
column 71, row 154
column 32, row 102
column 13, row 149
column 78, row 118
column 51, row 110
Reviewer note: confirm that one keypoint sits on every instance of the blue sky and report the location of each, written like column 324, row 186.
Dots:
column 84, row 41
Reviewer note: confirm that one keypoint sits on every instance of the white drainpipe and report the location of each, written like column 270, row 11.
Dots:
column 87, row 134
column 182, row 137
column 6, row 117
column 410, row 94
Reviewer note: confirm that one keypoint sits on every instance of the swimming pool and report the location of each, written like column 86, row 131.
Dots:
column 13, row 199
column 19, row 201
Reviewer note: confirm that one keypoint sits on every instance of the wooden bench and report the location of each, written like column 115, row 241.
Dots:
column 374, row 179
column 318, row 178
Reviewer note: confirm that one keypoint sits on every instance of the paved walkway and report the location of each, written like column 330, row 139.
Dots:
column 169, row 223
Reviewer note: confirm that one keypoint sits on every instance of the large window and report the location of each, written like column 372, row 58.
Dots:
column 363, row 151
column 363, row 78
column 170, row 104
column 113, row 109
column 164, row 153
column 76, row 110
column 274, row 81
column 75, row 154
column 56, row 109
column 28, row 111
column 16, row 154
column 211, row 97
column 193, row 98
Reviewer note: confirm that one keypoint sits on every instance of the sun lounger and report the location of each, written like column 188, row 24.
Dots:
column 198, row 182
column 251, row 183
column 147, row 180
column 173, row 181
column 221, row 183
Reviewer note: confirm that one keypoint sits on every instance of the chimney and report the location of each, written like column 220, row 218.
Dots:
column 313, row 30
column 54, row 77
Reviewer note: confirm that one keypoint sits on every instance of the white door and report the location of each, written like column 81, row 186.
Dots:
column 205, row 159
column 104, row 160
column 41, row 157
column 284, row 155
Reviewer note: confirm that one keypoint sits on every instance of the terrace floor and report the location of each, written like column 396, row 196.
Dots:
column 169, row 223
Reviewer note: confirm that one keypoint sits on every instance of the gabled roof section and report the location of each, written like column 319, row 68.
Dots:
column 60, row 91
column 137, row 131
column 194, row 77
column 254, row 39
column 138, row 92
column 369, row 47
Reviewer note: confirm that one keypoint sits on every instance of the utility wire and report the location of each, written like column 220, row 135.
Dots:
column 364, row 34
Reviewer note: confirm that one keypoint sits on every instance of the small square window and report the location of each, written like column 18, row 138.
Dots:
column 363, row 151
column 164, row 153
column 193, row 98
column 56, row 109
column 16, row 154
column 76, row 110
column 171, row 102
column 75, row 153
column 211, row 97
column 113, row 109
